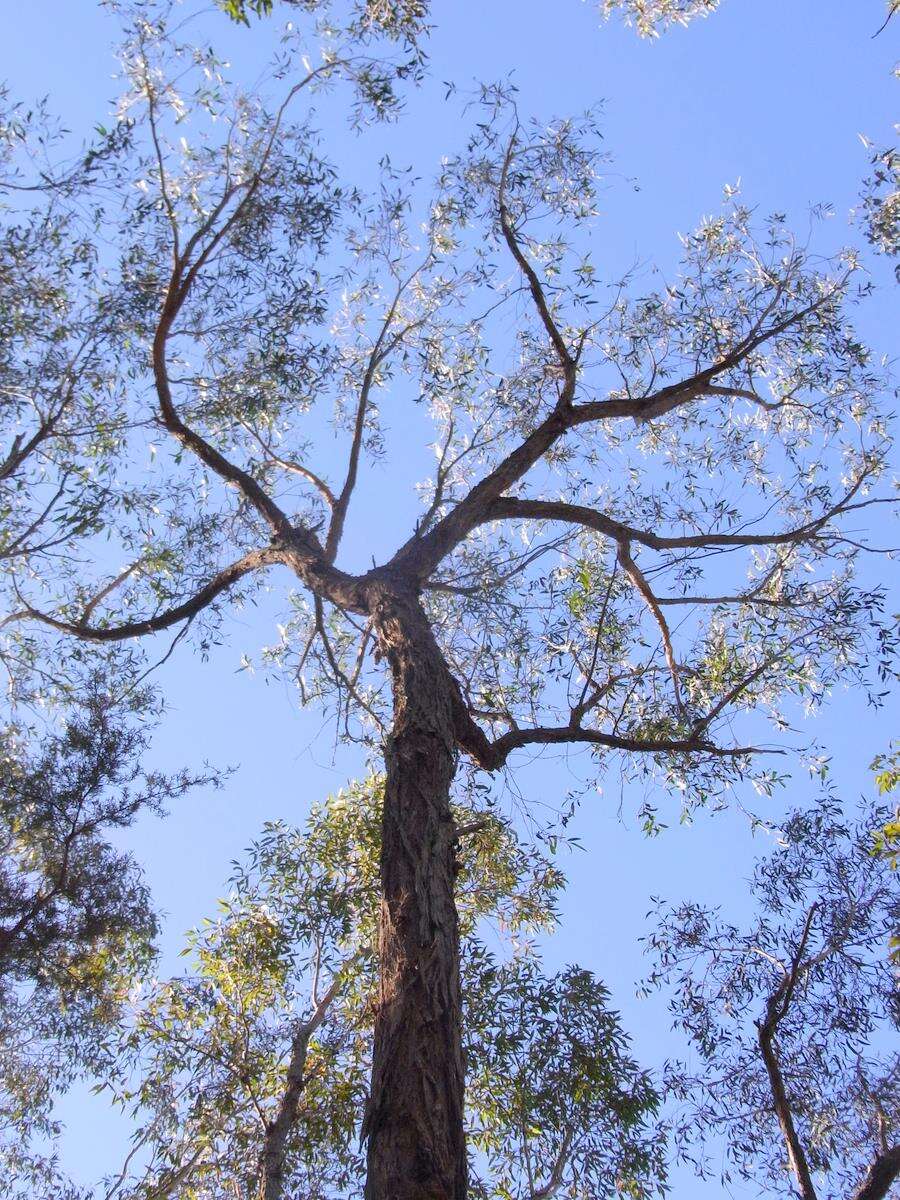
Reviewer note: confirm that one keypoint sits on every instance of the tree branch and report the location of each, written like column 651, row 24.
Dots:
column 274, row 1150
column 578, row 514
column 631, row 569
column 293, row 467
column 776, row 1009
column 225, row 579
column 553, row 1184
column 184, row 275
column 880, row 1176
column 378, row 354
column 491, row 755
column 421, row 554
column 21, row 448
column 668, row 398
column 563, row 353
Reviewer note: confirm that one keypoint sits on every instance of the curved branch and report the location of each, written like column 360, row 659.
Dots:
column 295, row 468
column 193, row 441
column 491, row 755
column 225, row 579
column 578, row 514
column 534, row 284
column 645, row 408
column 184, row 275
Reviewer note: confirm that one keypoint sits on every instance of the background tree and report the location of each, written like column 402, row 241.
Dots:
column 792, row 1015
column 248, row 1074
column 608, row 455
column 76, row 924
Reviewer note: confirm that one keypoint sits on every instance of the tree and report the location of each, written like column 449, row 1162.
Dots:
column 408, row 16
column 625, row 454
column 247, row 1074
column 76, row 924
column 649, row 17
column 789, row 1014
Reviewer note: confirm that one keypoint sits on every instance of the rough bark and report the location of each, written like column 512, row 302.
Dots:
column 414, row 1120
column 880, row 1176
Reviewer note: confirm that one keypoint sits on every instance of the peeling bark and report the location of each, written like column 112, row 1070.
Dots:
column 414, row 1119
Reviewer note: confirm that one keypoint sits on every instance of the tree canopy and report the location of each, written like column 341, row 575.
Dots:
column 636, row 515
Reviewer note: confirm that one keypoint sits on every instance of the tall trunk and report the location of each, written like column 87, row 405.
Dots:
column 414, row 1121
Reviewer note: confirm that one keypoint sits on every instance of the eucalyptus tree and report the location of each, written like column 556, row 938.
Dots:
column 793, row 1016
column 609, row 455
column 247, row 1074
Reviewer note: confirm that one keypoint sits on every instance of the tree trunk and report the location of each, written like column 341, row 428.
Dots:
column 880, row 1176
column 414, row 1119
column 796, row 1153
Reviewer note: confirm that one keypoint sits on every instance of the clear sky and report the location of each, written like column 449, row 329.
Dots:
column 773, row 93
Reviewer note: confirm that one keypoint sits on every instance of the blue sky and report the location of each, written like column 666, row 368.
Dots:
column 773, row 94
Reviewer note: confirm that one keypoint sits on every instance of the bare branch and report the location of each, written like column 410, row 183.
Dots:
column 100, row 596
column 631, row 569
column 534, row 284
column 379, row 352
column 290, row 465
